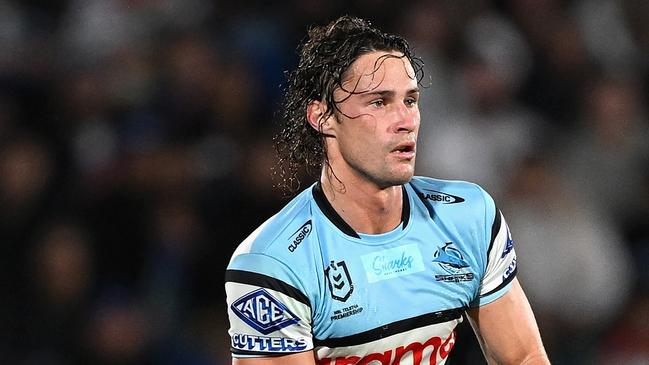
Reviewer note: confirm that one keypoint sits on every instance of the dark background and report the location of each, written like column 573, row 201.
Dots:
column 136, row 147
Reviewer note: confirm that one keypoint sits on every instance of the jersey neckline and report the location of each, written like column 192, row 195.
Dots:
column 333, row 216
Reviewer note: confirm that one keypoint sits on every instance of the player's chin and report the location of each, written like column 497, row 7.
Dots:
column 403, row 174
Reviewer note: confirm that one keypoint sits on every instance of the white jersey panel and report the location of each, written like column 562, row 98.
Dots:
column 501, row 261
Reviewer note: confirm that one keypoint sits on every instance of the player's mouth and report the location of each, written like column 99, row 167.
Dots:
column 405, row 150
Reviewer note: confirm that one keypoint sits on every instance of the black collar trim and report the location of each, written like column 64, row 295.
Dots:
column 339, row 222
column 405, row 208
column 330, row 212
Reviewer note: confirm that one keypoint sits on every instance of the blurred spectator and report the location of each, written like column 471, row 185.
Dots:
column 488, row 134
column 603, row 161
column 561, row 64
column 60, row 279
column 636, row 231
column 574, row 265
column 628, row 341
column 608, row 38
column 26, row 195
column 119, row 331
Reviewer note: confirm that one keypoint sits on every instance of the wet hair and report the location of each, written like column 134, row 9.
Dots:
column 324, row 58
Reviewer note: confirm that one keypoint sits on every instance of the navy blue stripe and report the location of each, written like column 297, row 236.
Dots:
column 265, row 281
column 495, row 227
column 330, row 212
column 405, row 208
column 390, row 329
column 339, row 222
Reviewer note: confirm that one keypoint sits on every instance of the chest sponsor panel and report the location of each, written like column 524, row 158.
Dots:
column 397, row 274
column 392, row 263
column 422, row 346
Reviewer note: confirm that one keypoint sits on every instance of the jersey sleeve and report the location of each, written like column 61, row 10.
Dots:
column 501, row 262
column 269, row 314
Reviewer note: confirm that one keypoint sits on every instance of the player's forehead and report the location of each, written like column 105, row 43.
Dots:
column 370, row 70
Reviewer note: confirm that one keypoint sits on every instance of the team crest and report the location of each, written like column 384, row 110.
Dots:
column 452, row 261
column 340, row 283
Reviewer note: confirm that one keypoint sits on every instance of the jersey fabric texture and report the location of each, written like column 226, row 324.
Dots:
column 306, row 281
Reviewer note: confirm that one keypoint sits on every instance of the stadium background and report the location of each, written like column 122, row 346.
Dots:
column 135, row 153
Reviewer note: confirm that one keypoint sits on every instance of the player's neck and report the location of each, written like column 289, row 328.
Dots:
column 364, row 206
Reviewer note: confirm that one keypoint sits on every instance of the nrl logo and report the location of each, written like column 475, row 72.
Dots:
column 340, row 283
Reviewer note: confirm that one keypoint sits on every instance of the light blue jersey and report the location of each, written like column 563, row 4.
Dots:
column 306, row 281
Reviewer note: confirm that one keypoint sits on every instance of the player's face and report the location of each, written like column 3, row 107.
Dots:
column 376, row 135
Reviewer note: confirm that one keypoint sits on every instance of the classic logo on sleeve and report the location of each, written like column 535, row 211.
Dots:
column 300, row 235
column 263, row 312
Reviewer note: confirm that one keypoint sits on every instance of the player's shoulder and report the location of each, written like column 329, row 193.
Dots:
column 464, row 204
column 273, row 236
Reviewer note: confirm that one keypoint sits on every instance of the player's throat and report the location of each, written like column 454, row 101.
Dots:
column 354, row 216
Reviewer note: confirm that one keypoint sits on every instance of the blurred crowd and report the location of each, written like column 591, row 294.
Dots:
column 136, row 153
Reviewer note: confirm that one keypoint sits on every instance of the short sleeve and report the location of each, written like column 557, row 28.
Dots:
column 501, row 263
column 269, row 315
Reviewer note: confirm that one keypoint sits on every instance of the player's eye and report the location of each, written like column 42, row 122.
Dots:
column 411, row 101
column 378, row 103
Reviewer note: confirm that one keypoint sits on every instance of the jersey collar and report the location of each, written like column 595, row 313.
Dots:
column 339, row 222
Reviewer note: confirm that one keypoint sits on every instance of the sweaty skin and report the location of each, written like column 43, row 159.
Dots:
column 371, row 143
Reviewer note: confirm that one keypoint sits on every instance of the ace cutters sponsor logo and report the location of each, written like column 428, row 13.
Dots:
column 340, row 283
column 267, row 344
column 263, row 312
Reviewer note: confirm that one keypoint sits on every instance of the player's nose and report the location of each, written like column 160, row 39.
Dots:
column 406, row 118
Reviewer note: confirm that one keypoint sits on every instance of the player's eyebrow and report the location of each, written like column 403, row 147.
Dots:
column 387, row 93
column 414, row 90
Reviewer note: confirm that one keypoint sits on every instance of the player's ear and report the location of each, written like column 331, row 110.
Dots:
column 316, row 115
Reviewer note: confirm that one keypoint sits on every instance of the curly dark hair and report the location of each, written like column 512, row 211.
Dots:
column 325, row 56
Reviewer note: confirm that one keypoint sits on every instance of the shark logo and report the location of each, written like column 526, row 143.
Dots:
column 451, row 258
column 452, row 261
